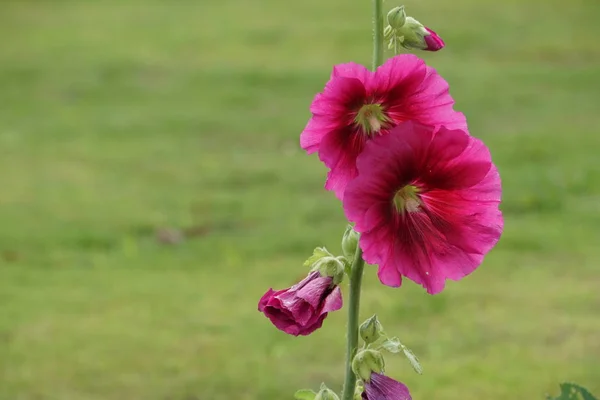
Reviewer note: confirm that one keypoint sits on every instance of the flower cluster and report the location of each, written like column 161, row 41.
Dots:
column 423, row 193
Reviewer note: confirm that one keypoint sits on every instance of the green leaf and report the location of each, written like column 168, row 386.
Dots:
column 392, row 345
column 318, row 253
column 414, row 361
column 305, row 394
column 571, row 391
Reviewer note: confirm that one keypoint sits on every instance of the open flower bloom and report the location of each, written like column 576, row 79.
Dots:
column 358, row 105
column 381, row 387
column 426, row 204
column 301, row 309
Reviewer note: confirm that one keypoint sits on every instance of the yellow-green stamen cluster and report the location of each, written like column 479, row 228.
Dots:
column 371, row 118
column 407, row 199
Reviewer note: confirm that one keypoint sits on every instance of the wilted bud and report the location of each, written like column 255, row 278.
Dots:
column 396, row 17
column 349, row 242
column 366, row 362
column 416, row 36
column 326, row 394
column 371, row 330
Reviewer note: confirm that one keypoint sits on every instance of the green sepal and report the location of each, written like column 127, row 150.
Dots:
column 318, row 254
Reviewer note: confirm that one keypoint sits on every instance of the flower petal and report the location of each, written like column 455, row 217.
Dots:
column 333, row 301
column 382, row 387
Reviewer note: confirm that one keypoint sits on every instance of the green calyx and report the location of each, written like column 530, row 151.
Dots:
column 366, row 362
column 407, row 199
column 413, row 34
column 371, row 118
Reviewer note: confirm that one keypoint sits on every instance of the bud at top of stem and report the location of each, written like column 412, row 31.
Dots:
column 371, row 330
column 366, row 362
column 396, row 17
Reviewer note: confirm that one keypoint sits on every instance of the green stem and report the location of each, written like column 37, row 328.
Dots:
column 358, row 264
column 356, row 275
column 377, row 33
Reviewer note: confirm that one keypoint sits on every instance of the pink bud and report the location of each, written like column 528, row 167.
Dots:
column 433, row 41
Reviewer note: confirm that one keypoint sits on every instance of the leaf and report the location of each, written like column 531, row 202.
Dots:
column 571, row 391
column 414, row 361
column 305, row 394
column 392, row 345
column 318, row 253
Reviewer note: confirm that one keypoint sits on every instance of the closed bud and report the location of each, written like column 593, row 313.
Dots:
column 326, row 394
column 350, row 242
column 416, row 36
column 371, row 330
column 396, row 17
column 366, row 362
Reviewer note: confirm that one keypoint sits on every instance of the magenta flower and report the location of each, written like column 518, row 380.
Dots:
column 426, row 204
column 381, row 387
column 358, row 105
column 301, row 309
column 433, row 41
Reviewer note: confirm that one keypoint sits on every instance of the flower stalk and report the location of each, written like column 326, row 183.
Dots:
column 377, row 33
column 356, row 275
column 358, row 263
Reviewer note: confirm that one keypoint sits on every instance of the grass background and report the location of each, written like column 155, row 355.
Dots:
column 118, row 119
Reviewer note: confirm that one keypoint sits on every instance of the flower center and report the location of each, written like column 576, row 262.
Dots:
column 370, row 118
column 407, row 199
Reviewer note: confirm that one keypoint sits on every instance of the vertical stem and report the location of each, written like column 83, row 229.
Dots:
column 358, row 264
column 377, row 33
column 353, row 310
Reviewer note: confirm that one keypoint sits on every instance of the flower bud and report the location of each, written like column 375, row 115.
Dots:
column 366, row 362
column 349, row 242
column 326, row 394
column 371, row 330
column 396, row 17
column 416, row 36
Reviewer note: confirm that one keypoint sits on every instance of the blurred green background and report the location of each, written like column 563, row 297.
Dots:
column 126, row 125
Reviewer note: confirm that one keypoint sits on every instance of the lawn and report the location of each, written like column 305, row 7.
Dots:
column 125, row 124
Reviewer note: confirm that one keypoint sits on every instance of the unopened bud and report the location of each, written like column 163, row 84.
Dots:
column 326, row 394
column 371, row 330
column 366, row 362
column 350, row 242
column 396, row 17
column 416, row 36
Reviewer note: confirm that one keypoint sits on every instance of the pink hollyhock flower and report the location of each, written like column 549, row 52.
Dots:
column 426, row 204
column 301, row 309
column 381, row 387
column 358, row 105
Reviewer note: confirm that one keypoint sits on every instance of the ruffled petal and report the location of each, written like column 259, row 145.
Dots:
column 333, row 301
column 313, row 292
column 338, row 151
